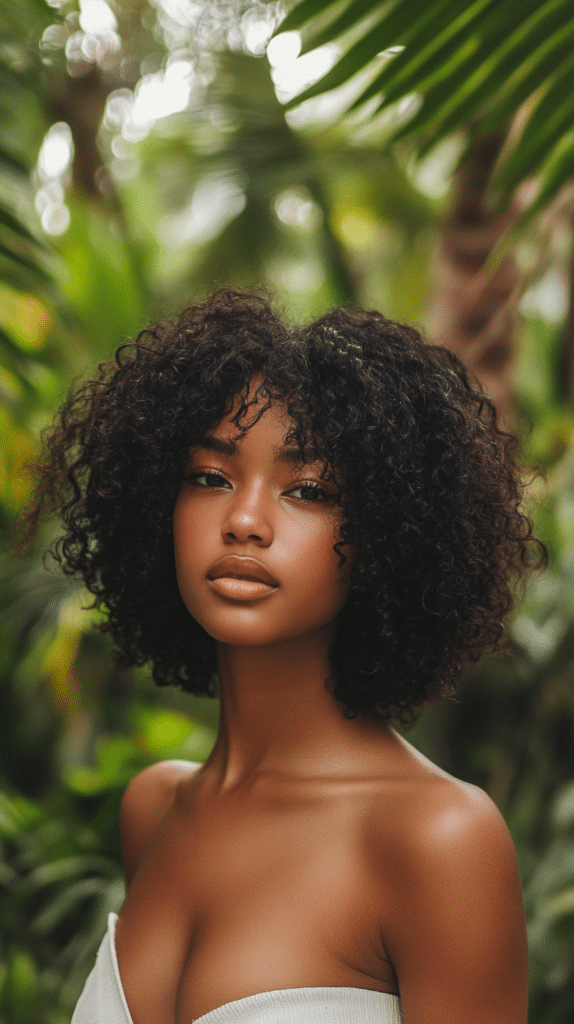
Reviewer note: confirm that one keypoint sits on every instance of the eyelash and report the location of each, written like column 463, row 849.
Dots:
column 303, row 485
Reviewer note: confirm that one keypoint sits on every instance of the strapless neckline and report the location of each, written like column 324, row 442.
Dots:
column 289, row 999
column 337, row 1004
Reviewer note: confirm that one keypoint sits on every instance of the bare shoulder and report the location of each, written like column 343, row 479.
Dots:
column 453, row 901
column 145, row 802
column 437, row 815
column 456, row 820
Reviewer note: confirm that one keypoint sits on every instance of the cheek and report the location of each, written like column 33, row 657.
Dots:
column 187, row 534
column 329, row 582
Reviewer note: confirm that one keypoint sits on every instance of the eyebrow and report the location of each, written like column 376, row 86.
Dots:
column 210, row 443
column 228, row 447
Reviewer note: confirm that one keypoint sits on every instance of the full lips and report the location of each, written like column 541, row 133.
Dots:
column 241, row 589
column 241, row 567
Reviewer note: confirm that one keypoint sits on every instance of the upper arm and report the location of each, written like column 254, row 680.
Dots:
column 144, row 803
column 456, row 934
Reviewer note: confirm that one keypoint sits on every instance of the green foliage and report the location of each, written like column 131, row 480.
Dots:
column 549, row 899
column 447, row 65
column 56, row 890
column 61, row 870
column 511, row 729
column 23, row 256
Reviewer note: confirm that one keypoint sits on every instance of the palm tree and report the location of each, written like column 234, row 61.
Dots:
column 504, row 84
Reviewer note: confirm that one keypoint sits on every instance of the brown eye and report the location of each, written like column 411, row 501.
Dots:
column 311, row 492
column 208, row 479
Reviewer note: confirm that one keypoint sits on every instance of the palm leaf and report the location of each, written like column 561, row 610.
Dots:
column 304, row 12
column 549, row 120
column 8, row 220
column 527, row 78
column 554, row 173
column 12, row 254
column 456, row 108
column 11, row 161
column 470, row 64
column 350, row 17
column 435, row 51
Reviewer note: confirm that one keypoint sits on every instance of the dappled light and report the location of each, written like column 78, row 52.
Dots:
column 96, row 17
column 54, row 160
column 56, row 152
column 215, row 201
column 156, row 96
column 296, row 208
column 292, row 73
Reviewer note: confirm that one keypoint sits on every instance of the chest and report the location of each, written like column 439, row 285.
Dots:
column 244, row 874
column 247, row 900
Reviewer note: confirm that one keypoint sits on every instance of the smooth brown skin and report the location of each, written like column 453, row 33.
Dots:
column 309, row 849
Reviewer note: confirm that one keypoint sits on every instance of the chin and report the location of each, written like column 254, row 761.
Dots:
column 247, row 637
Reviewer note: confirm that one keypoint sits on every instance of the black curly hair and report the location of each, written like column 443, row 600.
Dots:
column 431, row 501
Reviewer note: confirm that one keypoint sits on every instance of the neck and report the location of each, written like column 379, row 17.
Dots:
column 277, row 715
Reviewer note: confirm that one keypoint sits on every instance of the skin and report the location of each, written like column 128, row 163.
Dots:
column 309, row 849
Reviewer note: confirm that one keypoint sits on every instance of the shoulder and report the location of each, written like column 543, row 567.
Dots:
column 145, row 802
column 456, row 822
column 454, row 904
column 442, row 830
column 435, row 815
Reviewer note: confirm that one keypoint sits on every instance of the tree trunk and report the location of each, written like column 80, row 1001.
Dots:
column 80, row 102
column 473, row 310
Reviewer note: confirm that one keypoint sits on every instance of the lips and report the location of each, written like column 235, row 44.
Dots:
column 240, row 567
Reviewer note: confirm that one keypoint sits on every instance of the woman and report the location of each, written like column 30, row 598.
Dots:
column 323, row 524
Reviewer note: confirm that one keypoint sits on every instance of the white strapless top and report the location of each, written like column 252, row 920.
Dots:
column 103, row 1001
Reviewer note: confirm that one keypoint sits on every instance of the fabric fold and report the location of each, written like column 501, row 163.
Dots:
column 102, row 1000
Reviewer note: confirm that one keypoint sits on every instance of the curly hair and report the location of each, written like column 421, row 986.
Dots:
column 431, row 502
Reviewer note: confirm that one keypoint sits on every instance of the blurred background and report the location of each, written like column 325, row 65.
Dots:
column 413, row 157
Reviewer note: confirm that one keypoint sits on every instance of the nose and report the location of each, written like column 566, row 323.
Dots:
column 249, row 517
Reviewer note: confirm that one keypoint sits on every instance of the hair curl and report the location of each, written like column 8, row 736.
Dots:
column 431, row 500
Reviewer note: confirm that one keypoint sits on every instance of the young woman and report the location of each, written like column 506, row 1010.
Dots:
column 323, row 524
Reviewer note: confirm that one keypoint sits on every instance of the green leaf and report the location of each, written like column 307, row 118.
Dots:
column 18, row 370
column 388, row 31
column 12, row 161
column 23, row 261
column 10, row 221
column 431, row 115
column 521, row 84
column 557, row 170
column 67, row 902
column 474, row 62
column 66, row 868
column 301, row 14
column 353, row 14
column 551, row 117
column 354, row 60
column 481, row 70
column 428, row 51
column 458, row 100
column 8, row 343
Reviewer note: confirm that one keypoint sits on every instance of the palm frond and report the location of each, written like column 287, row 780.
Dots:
column 469, row 64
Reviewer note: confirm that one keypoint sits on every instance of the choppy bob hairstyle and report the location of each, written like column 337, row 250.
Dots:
column 431, row 502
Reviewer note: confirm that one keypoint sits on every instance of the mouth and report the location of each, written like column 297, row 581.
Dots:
column 239, row 589
column 241, row 569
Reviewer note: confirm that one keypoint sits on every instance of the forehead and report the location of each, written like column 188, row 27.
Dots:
column 265, row 427
column 245, row 410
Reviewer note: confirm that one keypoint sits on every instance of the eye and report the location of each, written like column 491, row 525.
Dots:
column 311, row 492
column 207, row 478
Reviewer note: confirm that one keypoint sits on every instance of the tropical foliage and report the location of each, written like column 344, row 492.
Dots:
column 435, row 68
column 145, row 157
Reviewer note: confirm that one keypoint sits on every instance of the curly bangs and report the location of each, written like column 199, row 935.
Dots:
column 431, row 499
